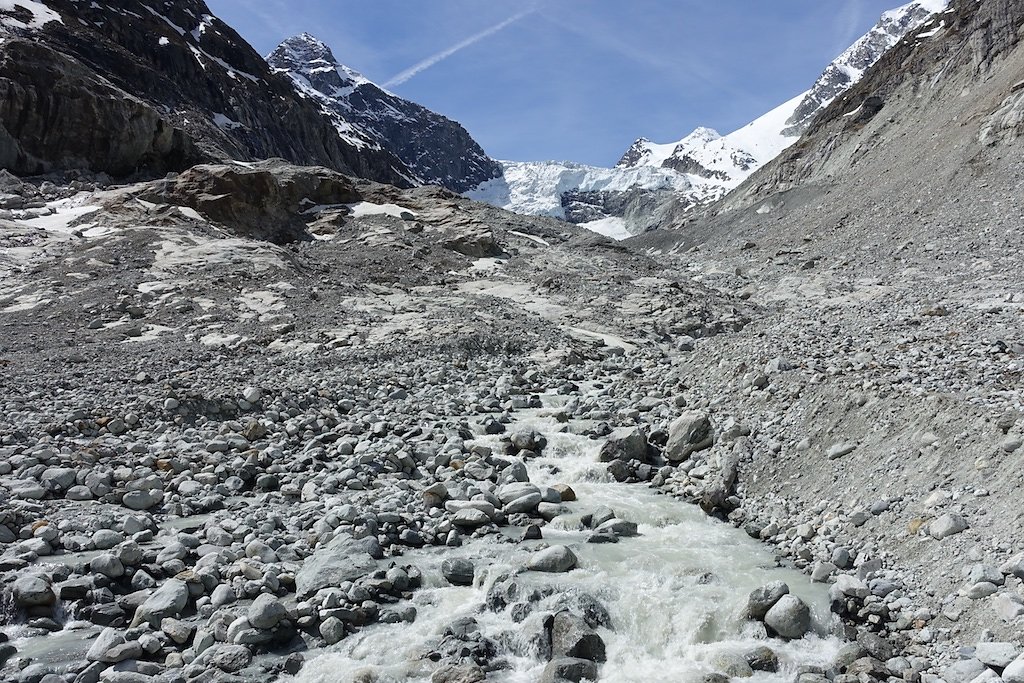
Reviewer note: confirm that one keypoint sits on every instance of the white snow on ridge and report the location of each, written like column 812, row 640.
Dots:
column 740, row 153
column 536, row 187
column 41, row 14
column 762, row 138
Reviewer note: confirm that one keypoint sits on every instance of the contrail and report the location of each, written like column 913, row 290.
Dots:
column 434, row 59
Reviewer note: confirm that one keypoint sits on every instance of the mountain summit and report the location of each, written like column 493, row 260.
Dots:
column 436, row 149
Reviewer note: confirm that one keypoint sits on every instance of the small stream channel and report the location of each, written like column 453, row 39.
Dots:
column 676, row 593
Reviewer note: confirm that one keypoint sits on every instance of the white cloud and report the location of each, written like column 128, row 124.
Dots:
column 445, row 54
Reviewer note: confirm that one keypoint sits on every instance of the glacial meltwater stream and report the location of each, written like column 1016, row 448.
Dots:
column 675, row 594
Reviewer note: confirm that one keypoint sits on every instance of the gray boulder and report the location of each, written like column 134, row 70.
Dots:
column 789, row 617
column 618, row 527
column 963, row 671
column 569, row 669
column 572, row 637
column 689, row 433
column 1014, row 671
column 515, row 490
column 458, row 571
column 625, row 443
column 142, row 500
column 169, row 600
column 229, row 658
column 340, row 561
column 33, row 591
column 555, row 559
column 947, row 525
column 332, row 630
column 470, row 518
column 266, row 612
column 997, row 655
column 458, row 673
column 476, row 242
column 111, row 647
column 764, row 598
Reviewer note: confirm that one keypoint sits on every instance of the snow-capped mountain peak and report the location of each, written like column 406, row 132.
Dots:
column 438, row 150
column 849, row 67
column 306, row 54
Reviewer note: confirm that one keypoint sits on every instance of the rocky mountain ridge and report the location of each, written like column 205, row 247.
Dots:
column 150, row 89
column 435, row 149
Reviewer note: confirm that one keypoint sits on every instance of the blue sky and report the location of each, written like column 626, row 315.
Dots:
column 575, row 79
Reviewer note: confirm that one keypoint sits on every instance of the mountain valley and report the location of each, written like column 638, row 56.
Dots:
column 290, row 394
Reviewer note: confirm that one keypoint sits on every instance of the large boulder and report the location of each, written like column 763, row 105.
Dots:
column 264, row 200
column 789, row 617
column 572, row 637
column 343, row 559
column 947, row 525
column 764, row 598
column 169, row 600
column 33, row 591
column 458, row 571
column 569, row 669
column 624, row 443
column 266, row 612
column 458, row 673
column 555, row 559
column 476, row 242
column 689, row 433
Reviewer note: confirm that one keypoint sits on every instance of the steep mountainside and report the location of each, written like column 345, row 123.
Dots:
column 153, row 86
column 887, row 242
column 943, row 108
column 728, row 160
column 436, row 149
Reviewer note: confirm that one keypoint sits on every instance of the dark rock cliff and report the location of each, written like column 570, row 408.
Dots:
column 152, row 86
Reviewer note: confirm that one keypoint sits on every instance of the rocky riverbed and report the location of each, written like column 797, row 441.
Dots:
column 434, row 441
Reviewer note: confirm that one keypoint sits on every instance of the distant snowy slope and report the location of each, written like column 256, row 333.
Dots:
column 732, row 158
column 701, row 167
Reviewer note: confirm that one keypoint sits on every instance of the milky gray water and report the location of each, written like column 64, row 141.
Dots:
column 675, row 593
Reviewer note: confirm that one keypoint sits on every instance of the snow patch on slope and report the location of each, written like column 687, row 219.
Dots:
column 38, row 14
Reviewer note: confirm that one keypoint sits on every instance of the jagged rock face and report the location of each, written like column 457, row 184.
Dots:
column 851, row 65
column 436, row 149
column 633, row 206
column 56, row 112
column 268, row 200
column 684, row 163
column 635, row 155
column 211, row 91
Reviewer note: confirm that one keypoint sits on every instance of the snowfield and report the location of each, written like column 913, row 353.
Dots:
column 535, row 188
